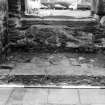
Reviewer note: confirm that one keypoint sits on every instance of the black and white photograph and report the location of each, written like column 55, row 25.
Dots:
column 52, row 42
column 52, row 52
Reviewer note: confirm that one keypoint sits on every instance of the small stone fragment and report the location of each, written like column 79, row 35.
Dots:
column 102, row 21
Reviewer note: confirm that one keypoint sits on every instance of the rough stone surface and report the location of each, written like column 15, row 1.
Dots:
column 72, row 34
column 2, row 27
column 51, row 35
column 51, row 96
column 58, row 36
column 31, row 32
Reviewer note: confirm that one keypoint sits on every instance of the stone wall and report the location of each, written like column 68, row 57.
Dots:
column 3, row 24
column 31, row 32
column 39, row 33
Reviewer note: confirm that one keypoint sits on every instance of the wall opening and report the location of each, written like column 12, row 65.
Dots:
column 43, row 8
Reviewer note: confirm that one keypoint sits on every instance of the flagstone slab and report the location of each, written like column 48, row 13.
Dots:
column 4, row 95
column 92, row 96
column 16, row 96
column 63, row 96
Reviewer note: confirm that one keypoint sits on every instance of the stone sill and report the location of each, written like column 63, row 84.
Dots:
column 30, row 18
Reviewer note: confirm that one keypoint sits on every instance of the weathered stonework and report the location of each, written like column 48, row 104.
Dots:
column 3, row 29
column 32, row 32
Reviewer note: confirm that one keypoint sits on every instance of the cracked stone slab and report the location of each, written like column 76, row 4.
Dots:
column 16, row 96
column 92, row 96
column 4, row 94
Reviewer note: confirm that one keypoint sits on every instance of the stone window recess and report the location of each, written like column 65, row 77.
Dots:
column 33, row 6
column 19, row 8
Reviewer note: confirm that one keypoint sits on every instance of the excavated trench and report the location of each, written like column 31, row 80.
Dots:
column 49, row 54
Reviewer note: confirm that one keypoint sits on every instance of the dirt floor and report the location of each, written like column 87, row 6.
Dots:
column 58, row 68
